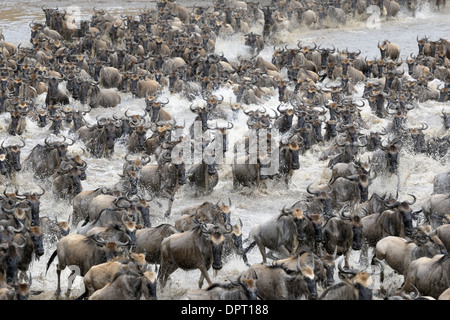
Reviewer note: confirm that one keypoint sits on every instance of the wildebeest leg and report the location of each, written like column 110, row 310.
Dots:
column 364, row 253
column 164, row 272
column 203, row 276
column 69, row 283
column 262, row 249
column 171, row 196
column 285, row 251
column 347, row 256
column 58, row 273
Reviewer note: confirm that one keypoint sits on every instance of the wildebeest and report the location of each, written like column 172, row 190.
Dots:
column 207, row 212
column 399, row 252
column 275, row 283
column 389, row 50
column 203, row 176
column 101, row 138
column 243, row 288
column 101, row 274
column 103, row 97
column 436, row 209
column 443, row 233
column 200, row 248
column 45, row 159
column 148, row 241
column 164, row 177
column 441, row 183
column 82, row 252
column 110, row 77
column 10, row 162
column 55, row 95
column 342, row 234
column 431, row 276
column 281, row 234
column 128, row 285
column 66, row 182
column 395, row 221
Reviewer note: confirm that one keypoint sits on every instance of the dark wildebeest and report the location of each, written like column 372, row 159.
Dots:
column 203, row 176
column 354, row 285
column 243, row 288
column 45, row 159
column 436, row 210
column 66, row 182
column 431, row 276
column 275, row 283
column 395, row 221
column 148, row 241
column 164, row 177
column 342, row 234
column 207, row 212
column 54, row 94
column 9, row 255
column 102, row 97
column 200, row 248
column 281, row 234
column 441, row 183
column 100, row 139
column 10, row 162
column 82, row 252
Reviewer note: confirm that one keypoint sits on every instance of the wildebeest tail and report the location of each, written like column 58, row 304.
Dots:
column 51, row 260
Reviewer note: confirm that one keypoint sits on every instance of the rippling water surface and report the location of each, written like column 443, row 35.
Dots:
column 416, row 172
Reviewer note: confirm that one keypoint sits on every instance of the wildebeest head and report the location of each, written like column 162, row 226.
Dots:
column 9, row 259
column 110, row 249
column 362, row 281
column 154, row 107
column 215, row 234
column 110, row 130
column 406, row 213
column 37, row 239
column 392, row 152
column 3, row 165
column 32, row 199
column 298, row 217
column 316, row 222
column 202, row 115
column 73, row 173
column 292, row 157
column 323, row 198
column 13, row 152
column 53, row 83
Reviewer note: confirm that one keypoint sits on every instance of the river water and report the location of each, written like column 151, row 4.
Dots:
column 253, row 207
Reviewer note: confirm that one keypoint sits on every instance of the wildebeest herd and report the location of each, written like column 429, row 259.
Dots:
column 70, row 71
